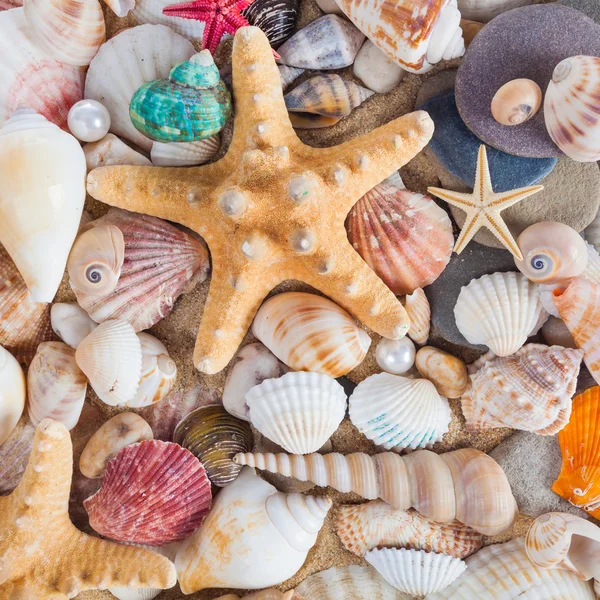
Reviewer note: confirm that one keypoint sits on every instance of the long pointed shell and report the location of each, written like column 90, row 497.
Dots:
column 419, row 312
column 12, row 393
column 71, row 323
column 185, row 154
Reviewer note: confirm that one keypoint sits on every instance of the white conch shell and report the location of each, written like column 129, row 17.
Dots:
column 12, row 393
column 419, row 312
column 111, row 358
column 486, row 10
column 151, row 11
column 185, row 154
column 299, row 411
column 41, row 199
column 284, row 528
column 56, row 386
column 109, row 151
column 397, row 413
column 500, row 311
column 71, row 323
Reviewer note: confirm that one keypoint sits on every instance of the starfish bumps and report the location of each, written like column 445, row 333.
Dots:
column 42, row 554
column 272, row 208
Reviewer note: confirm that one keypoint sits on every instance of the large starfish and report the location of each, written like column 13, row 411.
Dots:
column 42, row 554
column 272, row 208
column 483, row 206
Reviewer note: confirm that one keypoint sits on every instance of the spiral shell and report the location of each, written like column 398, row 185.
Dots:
column 71, row 323
column 419, row 312
column 12, row 393
column 447, row 373
column 516, row 102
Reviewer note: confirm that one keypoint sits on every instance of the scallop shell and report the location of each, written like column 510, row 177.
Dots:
column 311, row 333
column 151, row 11
column 299, row 411
column 127, row 61
column 579, row 479
column 71, row 323
column 530, row 390
column 12, row 393
column 516, row 101
column 185, row 154
column 14, row 455
column 213, row 436
column 276, row 18
column 166, row 498
column 376, row 524
column 398, row 413
column 419, row 312
column 447, row 373
column 486, row 10
column 111, row 358
column 406, row 238
column 329, row 42
column 109, row 151
column 500, row 311
column 571, row 106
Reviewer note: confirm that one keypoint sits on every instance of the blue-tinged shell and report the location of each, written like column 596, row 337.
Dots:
column 193, row 104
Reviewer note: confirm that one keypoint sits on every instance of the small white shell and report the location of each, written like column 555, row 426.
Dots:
column 12, row 393
column 419, row 312
column 71, row 323
column 109, row 151
column 185, row 154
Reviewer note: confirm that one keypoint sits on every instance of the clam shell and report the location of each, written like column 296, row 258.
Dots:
column 406, row 238
column 311, row 333
column 415, row 572
column 276, row 18
column 151, row 11
column 299, row 411
column 398, row 413
column 185, row 154
column 419, row 312
column 166, row 496
column 213, row 436
column 447, row 373
column 56, row 386
column 499, row 311
column 71, row 323
column 486, row 10
column 12, row 393
column 516, row 102
column 14, row 455
column 109, row 151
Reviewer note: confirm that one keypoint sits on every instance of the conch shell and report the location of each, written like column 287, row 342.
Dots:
column 516, row 101
column 12, row 393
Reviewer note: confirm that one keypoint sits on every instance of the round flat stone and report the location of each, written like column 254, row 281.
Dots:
column 590, row 8
column 525, row 42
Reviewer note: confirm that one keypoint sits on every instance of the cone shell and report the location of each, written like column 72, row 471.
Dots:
column 516, row 101
column 299, row 411
column 166, row 497
column 213, row 436
column 12, row 393
column 71, row 323
column 14, row 455
column 109, row 151
column 311, row 333
column 276, row 18
column 111, row 358
column 447, row 373
column 406, row 238
column 419, row 312
column 397, row 413
column 375, row 524
column 499, row 311
column 185, row 154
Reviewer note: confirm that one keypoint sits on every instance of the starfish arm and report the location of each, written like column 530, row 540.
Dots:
column 454, row 198
column 470, row 227
column 501, row 201
column 483, row 179
column 497, row 226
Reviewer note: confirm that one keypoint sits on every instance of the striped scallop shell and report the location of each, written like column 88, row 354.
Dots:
column 276, row 18
column 185, row 154
column 405, row 237
column 486, row 10
column 419, row 312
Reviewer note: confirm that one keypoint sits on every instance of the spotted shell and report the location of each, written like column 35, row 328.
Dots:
column 516, row 101
column 419, row 312
column 276, row 18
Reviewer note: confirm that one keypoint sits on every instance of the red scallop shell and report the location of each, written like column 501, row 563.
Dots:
column 153, row 493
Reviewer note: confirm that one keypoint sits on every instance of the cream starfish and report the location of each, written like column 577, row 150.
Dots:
column 483, row 206
column 42, row 554
column 272, row 209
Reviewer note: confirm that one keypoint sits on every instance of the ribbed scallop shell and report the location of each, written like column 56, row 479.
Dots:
column 185, row 154
column 151, row 11
column 161, row 262
column 71, row 323
column 499, row 311
column 276, row 18
column 299, row 411
column 486, row 10
column 571, row 107
column 153, row 493
column 311, row 333
column 530, row 390
column 419, row 312
column 398, row 413
column 405, row 237
column 12, row 393
column 376, row 524
column 214, row 436
column 14, row 455
column 415, row 572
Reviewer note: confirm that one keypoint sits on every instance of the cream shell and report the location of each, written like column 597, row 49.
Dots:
column 12, row 393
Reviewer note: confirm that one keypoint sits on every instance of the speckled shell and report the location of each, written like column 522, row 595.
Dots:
column 311, row 333
column 166, row 498
column 363, row 527
column 486, row 10
column 185, row 154
column 398, row 413
column 419, row 312
column 161, row 262
column 214, row 436
column 516, row 101
column 12, row 393
column 571, row 107
column 111, row 150
column 405, row 237
column 500, row 311
column 276, row 18
column 71, row 323
column 447, row 373
column 14, row 455
column 579, row 479
column 329, row 42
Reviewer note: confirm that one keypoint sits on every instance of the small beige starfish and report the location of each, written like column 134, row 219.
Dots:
column 483, row 206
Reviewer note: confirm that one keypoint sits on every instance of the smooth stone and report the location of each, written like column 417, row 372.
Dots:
column 376, row 70
column 435, row 85
column 590, row 8
column 532, row 463
column 456, row 148
column 525, row 42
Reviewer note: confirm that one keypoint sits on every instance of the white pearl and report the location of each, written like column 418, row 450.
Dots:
column 395, row 356
column 88, row 120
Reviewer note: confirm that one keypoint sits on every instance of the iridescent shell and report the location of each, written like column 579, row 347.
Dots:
column 276, row 18
column 111, row 150
column 12, row 393
column 71, row 323
column 486, row 10
column 166, row 498
column 213, row 436
column 516, row 101
column 419, row 312
column 406, row 238
column 447, row 373
column 185, row 154
column 14, row 455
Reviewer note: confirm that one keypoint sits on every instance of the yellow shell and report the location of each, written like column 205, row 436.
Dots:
column 516, row 102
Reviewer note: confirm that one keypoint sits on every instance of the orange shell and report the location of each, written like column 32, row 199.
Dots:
column 579, row 479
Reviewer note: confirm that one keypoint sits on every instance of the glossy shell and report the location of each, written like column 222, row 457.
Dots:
column 447, row 373
column 516, row 102
column 276, row 18
column 71, row 323
column 185, row 154
column 419, row 312
column 12, row 393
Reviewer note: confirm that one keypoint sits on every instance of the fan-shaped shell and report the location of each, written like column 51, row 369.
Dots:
column 151, row 11
column 12, row 393
column 397, row 413
column 185, row 154
column 299, row 411
column 406, row 238
column 486, row 10
column 311, row 333
column 419, row 312
column 276, row 18
column 71, row 323
column 166, row 495
column 499, row 311
column 516, row 102
column 447, row 373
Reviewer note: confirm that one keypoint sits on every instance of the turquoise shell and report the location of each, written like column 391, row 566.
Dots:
column 193, row 104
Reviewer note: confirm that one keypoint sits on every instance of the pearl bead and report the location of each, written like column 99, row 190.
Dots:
column 88, row 120
column 395, row 356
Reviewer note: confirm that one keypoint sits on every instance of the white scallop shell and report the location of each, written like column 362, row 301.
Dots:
column 397, row 413
column 71, row 323
column 151, row 11
column 485, row 10
column 185, row 154
column 499, row 311
column 299, row 411
column 12, row 393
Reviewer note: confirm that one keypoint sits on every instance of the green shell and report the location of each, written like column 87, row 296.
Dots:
column 193, row 104
column 214, row 436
